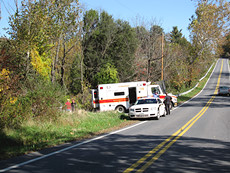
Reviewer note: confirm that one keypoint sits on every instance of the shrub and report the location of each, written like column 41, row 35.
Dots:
column 38, row 97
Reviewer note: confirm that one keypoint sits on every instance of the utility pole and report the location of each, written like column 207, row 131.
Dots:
column 162, row 57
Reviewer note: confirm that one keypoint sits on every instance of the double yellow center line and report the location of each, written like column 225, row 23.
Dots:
column 162, row 147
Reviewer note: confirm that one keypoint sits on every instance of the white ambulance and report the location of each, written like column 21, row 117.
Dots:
column 120, row 96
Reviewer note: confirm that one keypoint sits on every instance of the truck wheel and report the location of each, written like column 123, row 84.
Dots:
column 120, row 109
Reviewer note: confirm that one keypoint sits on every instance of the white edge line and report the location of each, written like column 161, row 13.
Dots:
column 70, row 147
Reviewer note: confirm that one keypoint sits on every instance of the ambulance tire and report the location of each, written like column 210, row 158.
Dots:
column 120, row 109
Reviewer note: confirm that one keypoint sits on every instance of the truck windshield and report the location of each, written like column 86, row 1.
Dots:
column 146, row 101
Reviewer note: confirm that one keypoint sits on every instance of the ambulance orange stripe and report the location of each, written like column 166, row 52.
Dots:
column 163, row 96
column 114, row 100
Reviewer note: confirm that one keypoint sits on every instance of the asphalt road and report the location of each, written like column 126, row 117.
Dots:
column 194, row 138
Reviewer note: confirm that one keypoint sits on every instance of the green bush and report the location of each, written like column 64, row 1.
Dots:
column 84, row 98
column 38, row 97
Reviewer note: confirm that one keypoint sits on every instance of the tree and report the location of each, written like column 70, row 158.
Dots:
column 123, row 50
column 99, row 34
column 107, row 41
column 75, row 76
column 46, row 32
column 209, row 26
column 176, row 35
column 107, row 74
column 149, row 52
column 45, row 35
column 140, row 62
column 226, row 46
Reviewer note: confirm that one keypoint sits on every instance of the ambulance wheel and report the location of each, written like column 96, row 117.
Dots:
column 120, row 109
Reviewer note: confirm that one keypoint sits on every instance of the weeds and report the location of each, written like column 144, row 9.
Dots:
column 35, row 134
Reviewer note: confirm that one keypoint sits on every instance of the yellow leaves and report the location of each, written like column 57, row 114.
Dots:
column 4, row 74
column 13, row 100
column 41, row 63
column 4, row 77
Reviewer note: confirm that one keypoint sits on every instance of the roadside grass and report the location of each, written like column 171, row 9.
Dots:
column 183, row 98
column 36, row 134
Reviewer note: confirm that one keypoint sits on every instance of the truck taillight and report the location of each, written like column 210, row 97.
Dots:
column 144, row 84
column 101, row 88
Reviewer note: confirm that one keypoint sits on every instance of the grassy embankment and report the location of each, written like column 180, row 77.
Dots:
column 194, row 92
column 36, row 134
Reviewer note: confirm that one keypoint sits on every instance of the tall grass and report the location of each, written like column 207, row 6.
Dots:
column 35, row 133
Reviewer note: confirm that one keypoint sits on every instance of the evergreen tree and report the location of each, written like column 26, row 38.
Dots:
column 107, row 41
column 176, row 35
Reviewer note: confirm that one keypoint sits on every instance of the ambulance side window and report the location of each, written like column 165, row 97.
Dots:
column 119, row 93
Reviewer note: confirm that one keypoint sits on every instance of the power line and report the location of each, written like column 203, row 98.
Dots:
column 125, row 6
column 8, row 7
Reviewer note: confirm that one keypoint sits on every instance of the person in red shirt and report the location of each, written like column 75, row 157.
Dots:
column 68, row 106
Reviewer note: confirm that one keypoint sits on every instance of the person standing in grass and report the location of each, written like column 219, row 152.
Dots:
column 68, row 106
column 73, row 105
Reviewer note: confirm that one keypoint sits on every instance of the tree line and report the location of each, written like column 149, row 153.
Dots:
column 56, row 49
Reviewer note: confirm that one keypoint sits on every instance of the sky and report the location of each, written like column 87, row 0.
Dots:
column 165, row 13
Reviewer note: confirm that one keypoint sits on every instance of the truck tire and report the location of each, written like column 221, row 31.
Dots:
column 120, row 109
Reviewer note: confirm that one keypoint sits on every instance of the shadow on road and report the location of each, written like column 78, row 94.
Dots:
column 118, row 152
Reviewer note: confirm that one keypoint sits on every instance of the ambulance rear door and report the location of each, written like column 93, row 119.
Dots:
column 132, row 95
column 95, row 100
